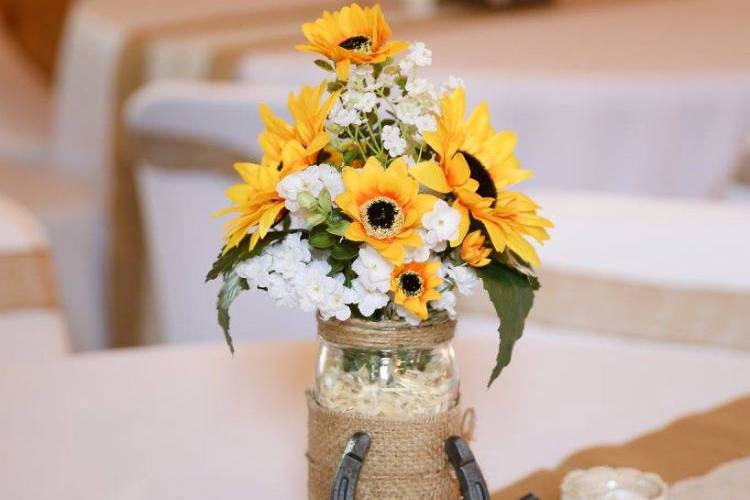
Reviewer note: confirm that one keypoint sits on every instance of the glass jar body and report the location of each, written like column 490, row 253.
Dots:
column 398, row 381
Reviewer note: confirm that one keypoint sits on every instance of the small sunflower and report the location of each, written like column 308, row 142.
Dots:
column 290, row 147
column 415, row 284
column 385, row 206
column 508, row 219
column 473, row 249
column 256, row 202
column 351, row 35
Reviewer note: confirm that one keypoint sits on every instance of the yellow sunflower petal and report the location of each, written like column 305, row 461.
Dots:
column 431, row 175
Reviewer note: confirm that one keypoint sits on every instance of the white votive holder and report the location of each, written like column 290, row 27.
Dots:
column 608, row 483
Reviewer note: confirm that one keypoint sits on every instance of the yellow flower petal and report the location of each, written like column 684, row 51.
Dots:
column 431, row 175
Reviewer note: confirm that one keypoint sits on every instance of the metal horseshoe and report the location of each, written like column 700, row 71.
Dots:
column 347, row 474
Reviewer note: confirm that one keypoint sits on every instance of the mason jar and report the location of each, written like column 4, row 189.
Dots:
column 387, row 368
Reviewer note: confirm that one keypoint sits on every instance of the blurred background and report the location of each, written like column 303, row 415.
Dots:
column 120, row 121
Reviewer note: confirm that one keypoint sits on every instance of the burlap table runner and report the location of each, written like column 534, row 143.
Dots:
column 688, row 447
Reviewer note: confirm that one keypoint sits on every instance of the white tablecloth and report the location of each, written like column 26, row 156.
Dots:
column 191, row 422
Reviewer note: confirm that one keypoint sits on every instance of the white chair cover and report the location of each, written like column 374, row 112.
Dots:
column 179, row 194
column 31, row 325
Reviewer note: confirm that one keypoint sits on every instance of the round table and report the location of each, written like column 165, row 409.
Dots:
column 191, row 422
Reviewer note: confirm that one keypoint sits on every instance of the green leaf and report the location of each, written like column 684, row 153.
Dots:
column 338, row 228
column 315, row 219
column 324, row 64
column 336, row 266
column 512, row 295
column 324, row 200
column 334, row 86
column 322, row 239
column 307, row 201
column 224, row 263
column 344, row 251
column 229, row 291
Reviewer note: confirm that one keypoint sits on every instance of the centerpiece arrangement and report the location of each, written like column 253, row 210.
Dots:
column 374, row 206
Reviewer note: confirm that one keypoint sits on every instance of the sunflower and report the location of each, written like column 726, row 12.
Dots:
column 415, row 284
column 290, row 147
column 508, row 219
column 473, row 251
column 256, row 202
column 477, row 164
column 385, row 206
column 471, row 154
column 351, row 35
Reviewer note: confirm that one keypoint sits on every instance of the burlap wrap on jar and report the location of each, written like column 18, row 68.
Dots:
column 406, row 460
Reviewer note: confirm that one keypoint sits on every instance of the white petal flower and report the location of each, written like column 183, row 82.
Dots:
column 392, row 141
column 452, row 84
column 426, row 123
column 441, row 223
column 281, row 291
column 344, row 116
column 420, row 253
column 312, row 284
column 447, row 303
column 464, row 277
column 305, row 181
column 368, row 301
column 290, row 255
column 361, row 101
column 418, row 55
column 373, row 271
column 408, row 111
column 336, row 303
column 256, row 270
column 330, row 179
column 361, row 79
column 421, row 87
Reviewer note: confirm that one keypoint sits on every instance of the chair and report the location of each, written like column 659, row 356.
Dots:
column 188, row 136
column 32, row 327
column 643, row 267
column 68, row 205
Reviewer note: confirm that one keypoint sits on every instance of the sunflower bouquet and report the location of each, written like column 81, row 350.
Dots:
column 380, row 199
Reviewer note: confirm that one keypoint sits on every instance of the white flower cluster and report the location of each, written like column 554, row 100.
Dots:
column 295, row 278
column 392, row 141
column 312, row 181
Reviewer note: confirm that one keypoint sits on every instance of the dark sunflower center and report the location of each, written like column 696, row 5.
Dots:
column 480, row 174
column 382, row 214
column 359, row 42
column 411, row 284
column 382, row 217
column 323, row 156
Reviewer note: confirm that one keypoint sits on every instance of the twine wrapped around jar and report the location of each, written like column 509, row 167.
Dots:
column 406, row 460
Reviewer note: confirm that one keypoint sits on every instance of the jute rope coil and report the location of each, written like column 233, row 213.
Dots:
column 387, row 334
column 406, row 460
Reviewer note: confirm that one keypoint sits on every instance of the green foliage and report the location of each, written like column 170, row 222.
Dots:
column 512, row 295
column 334, row 86
column 321, row 239
column 323, row 64
column 338, row 228
column 225, row 262
column 345, row 251
column 230, row 290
